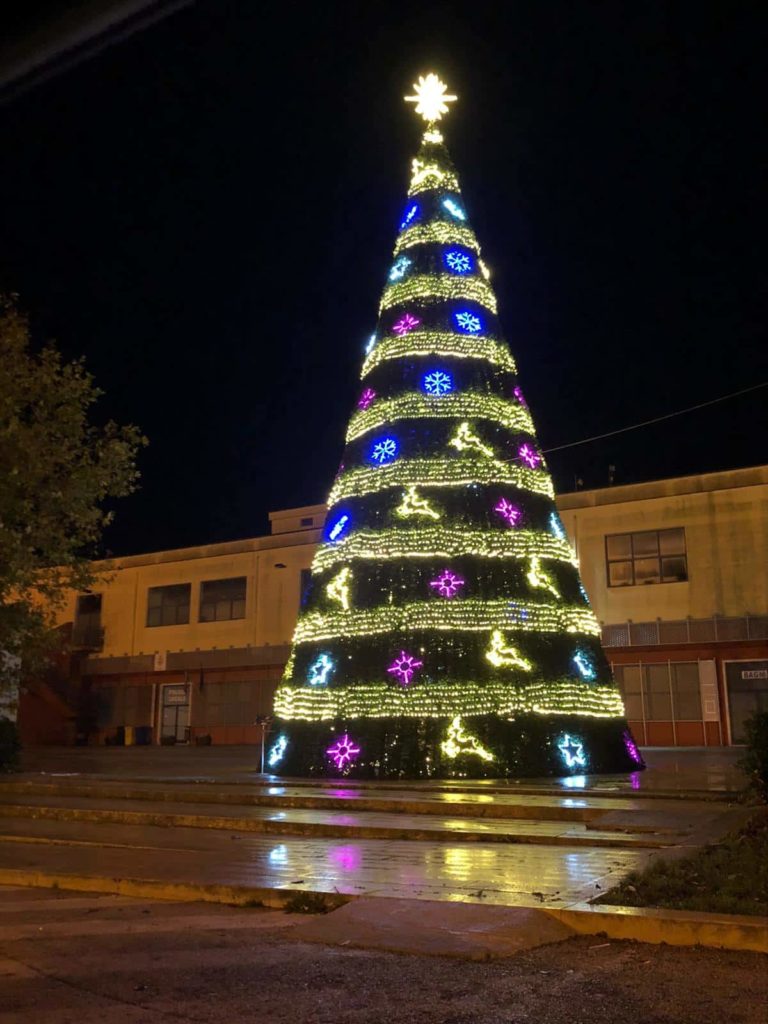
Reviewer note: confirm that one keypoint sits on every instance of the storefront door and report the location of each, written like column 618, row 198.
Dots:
column 747, row 685
column 175, row 713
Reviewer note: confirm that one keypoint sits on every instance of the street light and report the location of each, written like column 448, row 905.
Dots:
column 264, row 721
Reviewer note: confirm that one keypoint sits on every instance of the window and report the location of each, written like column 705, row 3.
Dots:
column 89, row 610
column 307, row 521
column 658, row 699
column 168, row 606
column 652, row 556
column 670, row 691
column 628, row 680
column 86, row 630
column 222, row 599
column 686, row 695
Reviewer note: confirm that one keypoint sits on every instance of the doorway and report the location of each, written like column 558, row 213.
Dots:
column 747, row 688
column 174, row 722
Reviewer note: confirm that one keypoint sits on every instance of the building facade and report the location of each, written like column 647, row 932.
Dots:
column 188, row 645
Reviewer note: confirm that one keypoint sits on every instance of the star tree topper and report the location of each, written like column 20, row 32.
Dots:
column 430, row 98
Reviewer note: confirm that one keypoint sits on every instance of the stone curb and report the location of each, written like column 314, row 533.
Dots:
column 524, row 811
column 264, row 781
column 154, row 889
column 266, row 826
column 673, row 927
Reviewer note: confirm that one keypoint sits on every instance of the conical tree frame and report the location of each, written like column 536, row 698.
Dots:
column 446, row 632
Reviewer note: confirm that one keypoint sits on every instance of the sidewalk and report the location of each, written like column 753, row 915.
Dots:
column 671, row 771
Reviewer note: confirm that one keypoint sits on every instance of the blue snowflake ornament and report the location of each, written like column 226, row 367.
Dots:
column 384, row 450
column 468, row 322
column 437, row 382
column 458, row 262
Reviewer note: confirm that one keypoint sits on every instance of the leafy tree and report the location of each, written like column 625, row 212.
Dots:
column 57, row 470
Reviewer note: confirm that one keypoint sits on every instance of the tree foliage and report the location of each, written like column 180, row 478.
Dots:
column 57, row 470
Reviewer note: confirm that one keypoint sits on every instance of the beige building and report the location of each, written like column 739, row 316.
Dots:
column 188, row 645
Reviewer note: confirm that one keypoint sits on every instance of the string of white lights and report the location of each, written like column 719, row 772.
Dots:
column 468, row 615
column 447, row 699
column 453, row 472
column 509, row 414
column 442, row 542
column 439, row 343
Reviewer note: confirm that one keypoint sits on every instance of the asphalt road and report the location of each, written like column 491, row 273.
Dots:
column 67, row 958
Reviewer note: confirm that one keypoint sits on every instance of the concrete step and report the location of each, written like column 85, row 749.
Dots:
column 398, row 800
column 303, row 822
column 508, row 874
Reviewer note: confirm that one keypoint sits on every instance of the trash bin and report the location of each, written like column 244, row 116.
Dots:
column 129, row 736
column 142, row 735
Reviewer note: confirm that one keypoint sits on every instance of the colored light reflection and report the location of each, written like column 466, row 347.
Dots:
column 575, row 782
column 348, row 858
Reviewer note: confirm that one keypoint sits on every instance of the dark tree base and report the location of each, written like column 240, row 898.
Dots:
column 408, row 748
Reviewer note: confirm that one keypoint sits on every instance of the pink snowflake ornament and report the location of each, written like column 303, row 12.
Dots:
column 447, row 584
column 404, row 667
column 344, row 752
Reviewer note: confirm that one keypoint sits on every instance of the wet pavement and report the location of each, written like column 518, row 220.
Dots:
column 546, row 843
column 670, row 770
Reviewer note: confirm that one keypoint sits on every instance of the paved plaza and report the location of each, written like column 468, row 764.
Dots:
column 70, row 958
column 206, row 818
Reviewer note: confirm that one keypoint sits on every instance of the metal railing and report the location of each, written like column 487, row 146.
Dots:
column 718, row 629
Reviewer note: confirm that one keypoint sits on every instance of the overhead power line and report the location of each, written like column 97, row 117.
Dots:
column 657, row 419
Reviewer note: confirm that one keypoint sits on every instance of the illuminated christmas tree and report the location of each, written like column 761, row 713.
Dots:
column 446, row 631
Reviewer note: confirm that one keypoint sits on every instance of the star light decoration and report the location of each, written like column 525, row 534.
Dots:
column 399, row 267
column 572, row 751
column 384, row 450
column 404, row 667
column 447, row 584
column 468, row 322
column 320, row 670
column 344, row 752
column 430, row 97
column 437, row 383
column 405, row 323
column 512, row 513
column 277, row 751
column 584, row 664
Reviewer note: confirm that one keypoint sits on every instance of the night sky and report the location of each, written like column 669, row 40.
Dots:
column 206, row 212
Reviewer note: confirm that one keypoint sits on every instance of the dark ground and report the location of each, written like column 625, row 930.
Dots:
column 72, row 959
